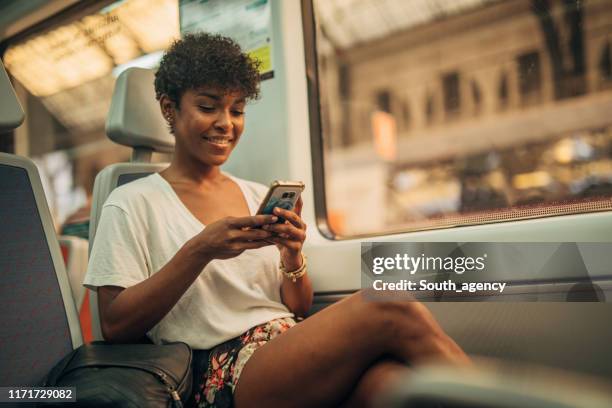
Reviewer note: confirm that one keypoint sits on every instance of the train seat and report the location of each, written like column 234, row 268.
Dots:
column 75, row 254
column 40, row 324
column 134, row 120
column 11, row 112
column 40, row 321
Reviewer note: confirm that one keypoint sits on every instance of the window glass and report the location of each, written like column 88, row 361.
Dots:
column 447, row 113
column 65, row 78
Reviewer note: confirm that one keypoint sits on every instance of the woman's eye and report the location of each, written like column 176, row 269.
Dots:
column 207, row 108
column 237, row 113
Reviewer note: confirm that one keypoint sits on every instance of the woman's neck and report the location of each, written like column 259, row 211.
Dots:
column 193, row 172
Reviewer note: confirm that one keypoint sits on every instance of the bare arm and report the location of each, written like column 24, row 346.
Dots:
column 126, row 315
column 297, row 296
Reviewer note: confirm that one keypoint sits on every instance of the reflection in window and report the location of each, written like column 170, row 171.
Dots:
column 529, row 77
column 344, row 88
column 605, row 63
column 503, row 91
column 450, row 84
column 476, row 96
column 405, row 115
column 562, row 26
column 383, row 101
column 430, row 109
column 530, row 136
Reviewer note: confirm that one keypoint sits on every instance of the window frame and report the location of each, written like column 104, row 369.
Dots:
column 317, row 148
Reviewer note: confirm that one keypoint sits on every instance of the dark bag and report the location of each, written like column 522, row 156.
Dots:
column 126, row 375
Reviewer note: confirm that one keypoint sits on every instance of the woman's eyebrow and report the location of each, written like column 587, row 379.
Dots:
column 210, row 95
column 218, row 97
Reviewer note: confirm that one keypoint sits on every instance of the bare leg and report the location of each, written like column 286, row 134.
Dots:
column 319, row 361
column 378, row 378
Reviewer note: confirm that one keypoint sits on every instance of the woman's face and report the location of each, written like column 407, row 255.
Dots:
column 208, row 124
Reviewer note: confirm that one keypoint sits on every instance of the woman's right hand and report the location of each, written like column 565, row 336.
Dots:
column 231, row 236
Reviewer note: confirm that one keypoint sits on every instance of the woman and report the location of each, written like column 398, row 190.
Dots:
column 175, row 258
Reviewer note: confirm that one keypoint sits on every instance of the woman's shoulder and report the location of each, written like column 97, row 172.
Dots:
column 253, row 188
column 136, row 193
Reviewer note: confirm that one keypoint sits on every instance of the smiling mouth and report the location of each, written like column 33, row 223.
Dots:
column 218, row 140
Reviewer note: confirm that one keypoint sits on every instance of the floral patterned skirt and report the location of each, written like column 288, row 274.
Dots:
column 225, row 362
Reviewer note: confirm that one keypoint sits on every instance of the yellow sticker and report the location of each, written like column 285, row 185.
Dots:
column 264, row 55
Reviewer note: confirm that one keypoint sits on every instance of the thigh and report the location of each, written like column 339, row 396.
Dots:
column 316, row 363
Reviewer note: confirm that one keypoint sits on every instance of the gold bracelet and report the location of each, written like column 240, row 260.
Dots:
column 296, row 274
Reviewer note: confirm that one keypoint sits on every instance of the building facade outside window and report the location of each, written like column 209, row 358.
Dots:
column 509, row 111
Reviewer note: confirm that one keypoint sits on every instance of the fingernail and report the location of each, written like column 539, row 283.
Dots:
column 275, row 218
column 277, row 210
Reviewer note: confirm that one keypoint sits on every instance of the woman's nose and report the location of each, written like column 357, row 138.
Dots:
column 224, row 121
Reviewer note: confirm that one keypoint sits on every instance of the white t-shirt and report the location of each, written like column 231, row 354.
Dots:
column 142, row 226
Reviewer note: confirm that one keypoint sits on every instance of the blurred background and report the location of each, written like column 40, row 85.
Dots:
column 439, row 113
column 434, row 113
column 64, row 77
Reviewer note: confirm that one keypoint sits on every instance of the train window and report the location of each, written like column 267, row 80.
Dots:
column 65, row 74
column 446, row 113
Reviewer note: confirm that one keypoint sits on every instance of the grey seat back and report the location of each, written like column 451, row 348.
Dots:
column 110, row 178
column 134, row 120
column 11, row 113
column 39, row 320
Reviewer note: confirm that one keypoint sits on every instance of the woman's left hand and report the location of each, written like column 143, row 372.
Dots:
column 290, row 235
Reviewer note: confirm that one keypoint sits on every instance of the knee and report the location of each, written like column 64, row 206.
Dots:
column 394, row 316
column 407, row 328
column 392, row 307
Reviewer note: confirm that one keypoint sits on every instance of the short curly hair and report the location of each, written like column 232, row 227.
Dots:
column 203, row 59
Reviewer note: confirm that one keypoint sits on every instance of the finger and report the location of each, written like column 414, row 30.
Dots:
column 276, row 240
column 253, row 234
column 285, row 242
column 281, row 228
column 270, row 240
column 254, row 244
column 286, row 231
column 251, row 221
column 298, row 207
column 290, row 216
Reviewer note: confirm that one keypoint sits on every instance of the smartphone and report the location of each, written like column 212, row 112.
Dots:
column 282, row 194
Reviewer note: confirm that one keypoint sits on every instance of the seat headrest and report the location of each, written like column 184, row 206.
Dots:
column 134, row 118
column 11, row 113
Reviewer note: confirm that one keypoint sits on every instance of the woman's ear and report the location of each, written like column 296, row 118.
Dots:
column 168, row 111
column 167, row 106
